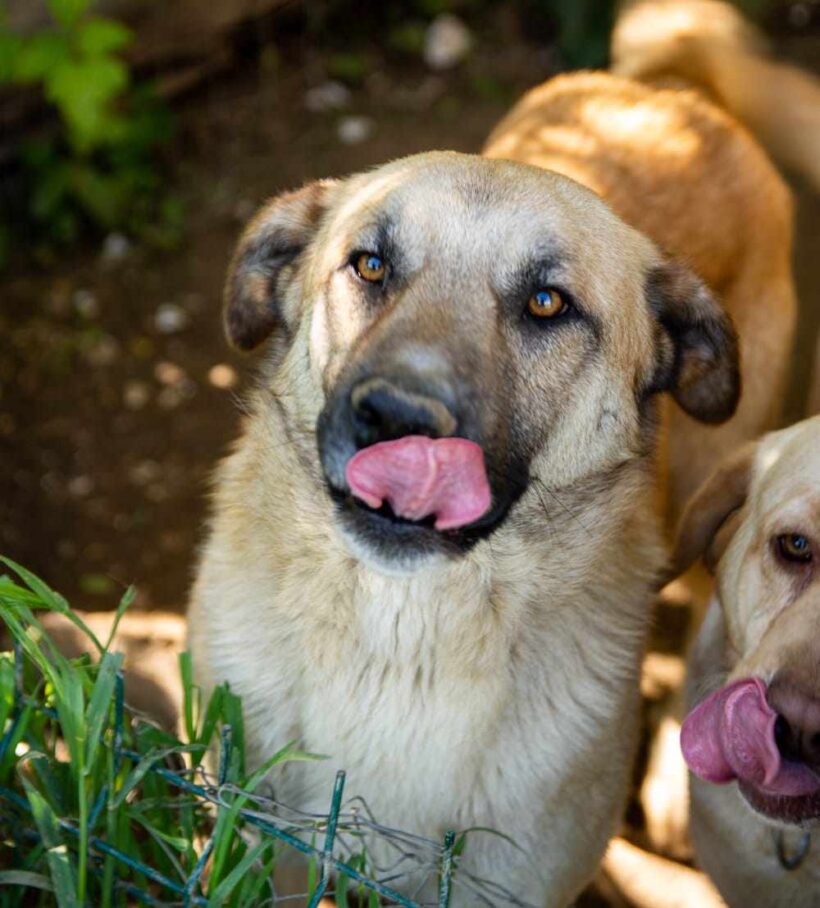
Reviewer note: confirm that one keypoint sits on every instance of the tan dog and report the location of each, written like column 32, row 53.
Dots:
column 755, row 671
column 485, row 674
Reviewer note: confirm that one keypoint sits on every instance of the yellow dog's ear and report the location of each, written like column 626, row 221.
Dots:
column 698, row 355
column 265, row 261
column 712, row 515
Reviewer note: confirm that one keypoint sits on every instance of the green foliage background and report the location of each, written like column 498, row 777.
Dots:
column 99, row 169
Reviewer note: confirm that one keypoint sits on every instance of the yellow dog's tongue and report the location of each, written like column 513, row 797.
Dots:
column 420, row 476
column 730, row 735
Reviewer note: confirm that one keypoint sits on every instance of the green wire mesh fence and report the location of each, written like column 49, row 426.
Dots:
column 421, row 874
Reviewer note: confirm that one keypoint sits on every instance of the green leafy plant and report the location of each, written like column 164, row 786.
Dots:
column 67, row 797
column 99, row 170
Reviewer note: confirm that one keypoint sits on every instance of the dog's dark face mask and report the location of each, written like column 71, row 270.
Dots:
column 460, row 333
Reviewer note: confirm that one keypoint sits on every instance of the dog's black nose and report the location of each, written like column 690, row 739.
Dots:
column 383, row 411
column 797, row 729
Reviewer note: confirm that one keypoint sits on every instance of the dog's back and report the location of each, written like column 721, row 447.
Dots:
column 708, row 45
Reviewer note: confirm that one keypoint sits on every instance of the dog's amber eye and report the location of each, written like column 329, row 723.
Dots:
column 794, row 547
column 547, row 304
column 370, row 267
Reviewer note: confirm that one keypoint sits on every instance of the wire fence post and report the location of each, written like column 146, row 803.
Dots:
column 446, row 880
column 330, row 836
column 196, row 873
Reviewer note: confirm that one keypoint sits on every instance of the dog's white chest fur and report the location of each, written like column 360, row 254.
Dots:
column 423, row 690
column 473, row 693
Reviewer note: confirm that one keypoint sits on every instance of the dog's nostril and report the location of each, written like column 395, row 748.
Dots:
column 383, row 411
column 367, row 414
column 797, row 726
column 796, row 743
column 785, row 739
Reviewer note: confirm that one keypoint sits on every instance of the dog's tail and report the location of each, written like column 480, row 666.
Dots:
column 708, row 44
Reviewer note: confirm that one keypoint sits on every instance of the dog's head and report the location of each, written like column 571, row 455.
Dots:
column 450, row 330
column 757, row 524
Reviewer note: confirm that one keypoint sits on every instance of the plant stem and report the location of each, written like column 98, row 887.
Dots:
column 83, row 824
column 111, row 829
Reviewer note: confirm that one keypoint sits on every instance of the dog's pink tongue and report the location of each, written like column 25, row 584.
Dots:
column 421, row 476
column 730, row 735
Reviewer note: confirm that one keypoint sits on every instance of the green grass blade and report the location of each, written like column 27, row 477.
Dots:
column 6, row 688
column 191, row 696
column 57, row 854
column 25, row 878
column 125, row 603
column 139, row 772
column 226, row 886
column 232, row 715
column 52, row 600
column 256, row 882
column 313, row 873
column 224, row 837
column 99, row 705
column 39, row 587
column 14, row 594
column 340, row 895
column 18, row 621
column 212, row 713
column 52, row 780
column 288, row 754
column 179, row 843
column 70, row 706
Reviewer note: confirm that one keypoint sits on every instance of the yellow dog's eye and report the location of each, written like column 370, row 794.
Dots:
column 547, row 304
column 370, row 267
column 794, row 547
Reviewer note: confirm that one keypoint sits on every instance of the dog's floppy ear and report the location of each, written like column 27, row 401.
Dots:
column 698, row 356
column 264, row 260
column 708, row 522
